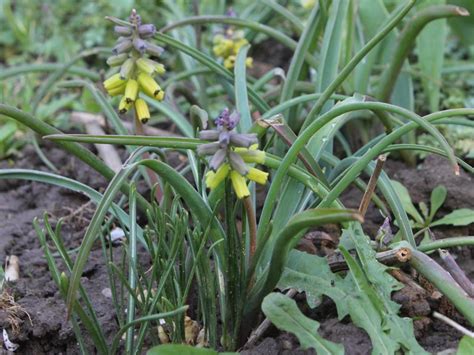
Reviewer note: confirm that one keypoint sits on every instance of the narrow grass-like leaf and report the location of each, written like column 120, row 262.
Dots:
column 240, row 85
column 45, row 68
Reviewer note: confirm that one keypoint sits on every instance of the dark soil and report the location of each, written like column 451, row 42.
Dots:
column 50, row 333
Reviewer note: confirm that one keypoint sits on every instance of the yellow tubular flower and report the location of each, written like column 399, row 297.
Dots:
column 239, row 184
column 145, row 66
column 259, row 176
column 160, row 68
column 113, row 82
column 214, row 179
column 131, row 91
column 141, row 108
column 119, row 90
column 252, row 154
column 149, row 86
column 249, row 62
column 229, row 62
column 124, row 106
column 239, row 44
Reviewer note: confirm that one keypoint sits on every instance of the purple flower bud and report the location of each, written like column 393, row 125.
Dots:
column 243, row 140
column 231, row 13
column 234, row 119
column 123, row 30
column 123, row 46
column 224, row 139
column 209, row 135
column 218, row 159
column 139, row 44
column 223, row 118
column 238, row 164
column 153, row 49
column 146, row 31
column 208, row 149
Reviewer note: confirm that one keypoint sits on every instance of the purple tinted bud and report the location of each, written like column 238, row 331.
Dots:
column 208, row 149
column 135, row 18
column 123, row 46
column 243, row 140
column 218, row 159
column 153, row 49
column 231, row 13
column 223, row 118
column 224, row 139
column 139, row 44
column 146, row 31
column 238, row 164
column 123, row 30
column 209, row 135
column 234, row 119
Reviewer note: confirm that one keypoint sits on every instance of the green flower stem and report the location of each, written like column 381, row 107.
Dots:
column 258, row 27
column 252, row 221
column 132, row 266
column 444, row 282
column 346, row 71
column 447, row 243
column 47, row 67
column 406, row 41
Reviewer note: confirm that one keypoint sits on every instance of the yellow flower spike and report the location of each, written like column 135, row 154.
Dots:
column 145, row 66
column 131, row 91
column 124, row 106
column 141, row 108
column 160, row 68
column 229, row 62
column 119, row 90
column 113, row 82
column 252, row 154
column 239, row 184
column 214, row 179
column 149, row 86
column 249, row 62
column 239, row 44
column 257, row 175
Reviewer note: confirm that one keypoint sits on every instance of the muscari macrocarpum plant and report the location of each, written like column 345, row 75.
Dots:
column 247, row 263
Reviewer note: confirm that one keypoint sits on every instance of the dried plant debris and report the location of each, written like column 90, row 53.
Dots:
column 12, row 311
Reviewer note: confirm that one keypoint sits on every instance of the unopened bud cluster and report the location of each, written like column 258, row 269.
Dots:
column 230, row 153
column 136, row 72
column 227, row 45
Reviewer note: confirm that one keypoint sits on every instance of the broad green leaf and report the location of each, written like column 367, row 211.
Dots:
column 179, row 349
column 405, row 198
column 284, row 313
column 430, row 46
column 438, row 196
column 461, row 217
column 466, row 346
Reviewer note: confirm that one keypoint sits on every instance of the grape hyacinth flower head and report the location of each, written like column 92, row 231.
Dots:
column 230, row 153
column 136, row 72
